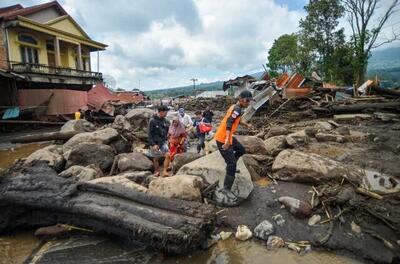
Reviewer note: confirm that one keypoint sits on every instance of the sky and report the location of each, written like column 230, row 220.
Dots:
column 165, row 43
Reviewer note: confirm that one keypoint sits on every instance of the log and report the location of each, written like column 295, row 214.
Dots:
column 45, row 137
column 356, row 108
column 388, row 92
column 169, row 225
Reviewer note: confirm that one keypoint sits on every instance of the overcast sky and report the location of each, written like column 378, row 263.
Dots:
column 165, row 43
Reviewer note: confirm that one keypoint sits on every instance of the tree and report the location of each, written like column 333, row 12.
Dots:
column 364, row 35
column 282, row 56
column 321, row 41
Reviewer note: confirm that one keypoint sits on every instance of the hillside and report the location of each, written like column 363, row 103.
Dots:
column 184, row 90
column 386, row 64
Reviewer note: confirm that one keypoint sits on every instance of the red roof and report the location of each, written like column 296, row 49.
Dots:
column 11, row 12
column 99, row 95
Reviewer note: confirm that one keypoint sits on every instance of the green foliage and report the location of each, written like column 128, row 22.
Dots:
column 283, row 55
column 323, row 47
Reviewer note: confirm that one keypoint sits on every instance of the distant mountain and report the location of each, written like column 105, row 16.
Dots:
column 386, row 65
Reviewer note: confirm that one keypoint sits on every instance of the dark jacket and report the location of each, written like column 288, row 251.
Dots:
column 158, row 131
column 197, row 122
column 208, row 115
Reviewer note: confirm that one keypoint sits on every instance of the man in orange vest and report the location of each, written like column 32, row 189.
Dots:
column 228, row 146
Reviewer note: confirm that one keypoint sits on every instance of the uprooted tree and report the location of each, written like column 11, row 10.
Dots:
column 365, row 33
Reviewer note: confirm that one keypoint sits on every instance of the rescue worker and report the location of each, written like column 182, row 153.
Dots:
column 230, row 149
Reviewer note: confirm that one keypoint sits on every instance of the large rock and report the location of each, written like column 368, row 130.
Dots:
column 211, row 146
column 276, row 144
column 212, row 168
column 91, row 153
column 184, row 187
column 140, row 177
column 81, row 173
column 139, row 121
column 182, row 159
column 297, row 139
column 252, row 144
column 52, row 155
column 323, row 126
column 103, row 136
column 298, row 208
column 257, row 165
column 119, row 181
column 276, row 131
column 293, row 165
column 134, row 161
column 80, row 125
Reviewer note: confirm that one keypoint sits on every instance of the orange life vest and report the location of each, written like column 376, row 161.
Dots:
column 220, row 135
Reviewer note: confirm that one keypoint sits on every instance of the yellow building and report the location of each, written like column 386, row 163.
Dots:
column 42, row 47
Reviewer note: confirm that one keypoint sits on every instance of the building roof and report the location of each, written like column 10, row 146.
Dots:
column 12, row 12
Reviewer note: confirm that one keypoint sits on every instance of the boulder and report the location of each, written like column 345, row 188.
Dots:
column 80, row 125
column 81, row 173
column 276, row 131
column 52, row 155
column 139, row 121
column 293, row 165
column 276, row 144
column 121, row 145
column 297, row 139
column 211, row 146
column 257, row 165
column 103, row 136
column 324, row 137
column 296, row 207
column 182, row 159
column 119, row 181
column 140, row 177
column 264, row 230
column 252, row 144
column 243, row 233
column 323, row 126
column 184, row 187
column 212, row 168
column 134, row 161
column 91, row 153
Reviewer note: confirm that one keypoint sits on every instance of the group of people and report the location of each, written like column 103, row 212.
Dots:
column 168, row 140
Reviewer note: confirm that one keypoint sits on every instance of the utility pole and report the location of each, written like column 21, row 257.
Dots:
column 194, row 80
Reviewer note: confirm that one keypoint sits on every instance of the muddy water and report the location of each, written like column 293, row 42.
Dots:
column 16, row 248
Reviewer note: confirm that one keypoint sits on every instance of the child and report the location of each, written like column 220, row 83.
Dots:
column 198, row 119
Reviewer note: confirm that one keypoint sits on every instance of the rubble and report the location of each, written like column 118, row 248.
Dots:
column 243, row 233
column 264, row 230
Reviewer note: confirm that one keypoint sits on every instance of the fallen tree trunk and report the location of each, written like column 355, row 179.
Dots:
column 388, row 92
column 169, row 225
column 45, row 137
column 356, row 108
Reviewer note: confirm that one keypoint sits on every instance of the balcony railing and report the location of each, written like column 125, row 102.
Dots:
column 49, row 70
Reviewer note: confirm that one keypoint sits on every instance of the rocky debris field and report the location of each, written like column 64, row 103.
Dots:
column 307, row 181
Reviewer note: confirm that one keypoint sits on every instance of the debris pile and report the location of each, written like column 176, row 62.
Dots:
column 216, row 103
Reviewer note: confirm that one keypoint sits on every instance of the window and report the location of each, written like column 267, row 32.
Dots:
column 27, row 39
column 49, row 46
column 29, row 55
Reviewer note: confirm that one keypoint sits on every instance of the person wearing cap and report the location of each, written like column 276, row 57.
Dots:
column 158, row 136
column 230, row 149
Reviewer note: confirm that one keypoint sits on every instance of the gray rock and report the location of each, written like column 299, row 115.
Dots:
column 211, row 146
column 257, row 165
column 103, row 136
column 212, row 168
column 80, row 125
column 276, row 144
column 310, row 131
column 323, row 126
column 134, row 161
column 296, row 207
column 343, row 130
column 184, row 187
column 279, row 220
column 252, row 144
column 293, row 165
column 264, row 230
column 91, row 153
column 226, row 198
column 119, row 181
column 276, row 131
column 297, row 139
column 182, row 159
column 140, row 177
column 81, row 173
column 52, row 155
column 324, row 137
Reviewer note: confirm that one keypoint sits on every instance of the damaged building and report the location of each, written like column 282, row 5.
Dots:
column 45, row 64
